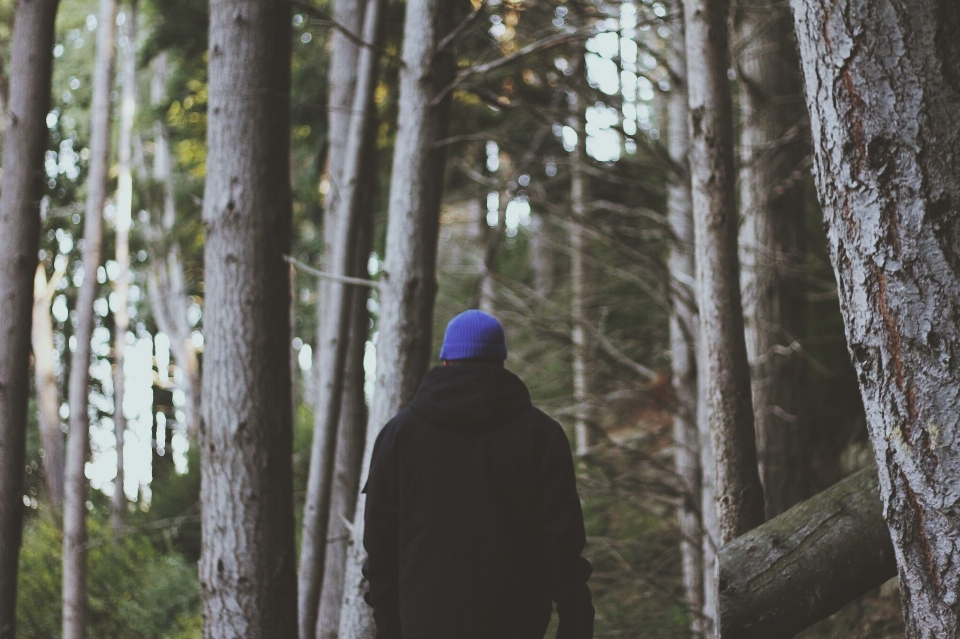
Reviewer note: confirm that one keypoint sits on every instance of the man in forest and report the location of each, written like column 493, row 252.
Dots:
column 473, row 521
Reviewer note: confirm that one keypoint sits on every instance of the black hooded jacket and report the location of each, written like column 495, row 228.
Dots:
column 473, row 523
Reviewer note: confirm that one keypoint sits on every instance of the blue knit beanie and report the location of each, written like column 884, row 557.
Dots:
column 473, row 334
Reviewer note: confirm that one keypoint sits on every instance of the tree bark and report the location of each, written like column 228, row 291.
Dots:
column 585, row 427
column 167, row 285
column 683, row 334
column 492, row 236
column 709, row 516
column 490, row 244
column 334, row 330
column 128, row 111
column 883, row 90
column 772, row 246
column 807, row 563
column 409, row 284
column 75, row 493
column 739, row 493
column 541, row 254
column 353, row 424
column 48, row 395
column 248, row 560
column 20, row 192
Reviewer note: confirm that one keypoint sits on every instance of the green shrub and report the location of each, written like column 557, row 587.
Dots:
column 134, row 590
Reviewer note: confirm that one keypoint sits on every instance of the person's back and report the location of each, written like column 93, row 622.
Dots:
column 473, row 522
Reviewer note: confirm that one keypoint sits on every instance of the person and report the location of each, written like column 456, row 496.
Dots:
column 473, row 524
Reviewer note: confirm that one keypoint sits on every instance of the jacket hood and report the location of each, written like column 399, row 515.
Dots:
column 470, row 397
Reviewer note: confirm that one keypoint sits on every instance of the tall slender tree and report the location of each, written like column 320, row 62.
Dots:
column 409, row 285
column 585, row 427
column 709, row 512
column 713, row 182
column 21, row 188
column 684, row 329
column 248, row 561
column 75, row 493
column 350, row 444
column 353, row 414
column 45, row 380
column 883, row 91
column 772, row 247
column 336, row 307
column 128, row 111
column 167, row 285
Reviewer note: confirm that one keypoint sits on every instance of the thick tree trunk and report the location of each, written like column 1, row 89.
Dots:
column 585, row 427
column 883, row 89
column 409, row 282
column 20, row 191
column 167, row 285
column 4, row 97
column 340, row 255
column 48, row 395
column 128, row 111
column 772, row 246
column 75, row 486
column 248, row 560
column 807, row 563
column 684, row 328
column 739, row 493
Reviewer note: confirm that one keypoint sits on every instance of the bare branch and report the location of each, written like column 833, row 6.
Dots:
column 536, row 47
column 323, row 16
column 343, row 279
column 460, row 28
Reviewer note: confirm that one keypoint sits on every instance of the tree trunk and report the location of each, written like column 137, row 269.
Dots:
column 4, row 97
column 409, row 284
column 248, row 560
column 883, row 90
column 353, row 422
column 294, row 364
column 128, row 110
column 490, row 244
column 334, row 329
column 20, row 191
column 709, row 516
column 167, row 285
column 492, row 236
column 48, row 395
column 739, row 494
column 585, row 427
column 683, row 335
column 541, row 254
column 807, row 563
column 75, row 486
column 772, row 246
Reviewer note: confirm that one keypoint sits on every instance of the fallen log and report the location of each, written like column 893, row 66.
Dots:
column 806, row 564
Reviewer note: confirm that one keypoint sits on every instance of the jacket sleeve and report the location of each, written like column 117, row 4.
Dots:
column 381, row 537
column 565, row 539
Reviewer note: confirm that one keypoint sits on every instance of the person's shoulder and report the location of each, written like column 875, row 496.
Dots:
column 392, row 429
column 544, row 425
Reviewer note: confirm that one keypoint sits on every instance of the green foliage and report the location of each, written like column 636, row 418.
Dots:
column 135, row 590
column 632, row 545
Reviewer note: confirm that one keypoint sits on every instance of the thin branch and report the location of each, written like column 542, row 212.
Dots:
column 323, row 16
column 460, row 28
column 343, row 279
column 536, row 47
